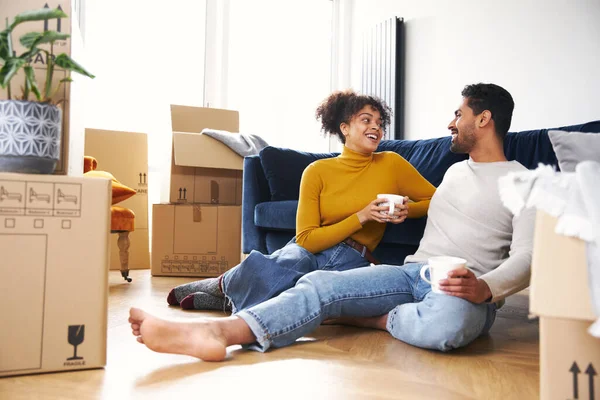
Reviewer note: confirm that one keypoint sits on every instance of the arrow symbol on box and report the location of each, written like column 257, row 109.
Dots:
column 184, row 193
column 145, row 178
column 575, row 370
column 591, row 372
column 180, row 191
column 141, row 178
column 46, row 21
column 58, row 23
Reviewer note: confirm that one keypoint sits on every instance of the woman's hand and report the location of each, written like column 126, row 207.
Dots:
column 372, row 212
column 401, row 212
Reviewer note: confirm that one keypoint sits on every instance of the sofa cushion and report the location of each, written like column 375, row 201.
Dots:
column 529, row 148
column 283, row 170
column 431, row 157
column 533, row 147
column 120, row 192
column 573, row 147
column 276, row 214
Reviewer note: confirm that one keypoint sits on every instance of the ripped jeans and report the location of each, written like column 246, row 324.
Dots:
column 416, row 315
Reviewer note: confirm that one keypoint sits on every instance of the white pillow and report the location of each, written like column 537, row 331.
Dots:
column 573, row 147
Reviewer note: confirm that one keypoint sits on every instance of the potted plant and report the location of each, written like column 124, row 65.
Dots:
column 30, row 120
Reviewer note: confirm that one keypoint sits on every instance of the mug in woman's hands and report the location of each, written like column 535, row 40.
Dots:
column 390, row 200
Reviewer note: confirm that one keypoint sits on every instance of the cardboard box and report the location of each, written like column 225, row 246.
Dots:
column 71, row 95
column 203, row 169
column 560, row 296
column 200, row 240
column 54, row 234
column 125, row 155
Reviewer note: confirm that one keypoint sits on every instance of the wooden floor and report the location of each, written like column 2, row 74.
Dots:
column 335, row 363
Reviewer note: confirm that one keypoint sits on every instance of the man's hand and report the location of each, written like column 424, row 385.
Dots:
column 463, row 283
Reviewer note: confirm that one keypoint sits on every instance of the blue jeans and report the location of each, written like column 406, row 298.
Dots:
column 416, row 315
column 261, row 277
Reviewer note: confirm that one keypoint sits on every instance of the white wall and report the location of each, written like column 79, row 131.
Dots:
column 546, row 53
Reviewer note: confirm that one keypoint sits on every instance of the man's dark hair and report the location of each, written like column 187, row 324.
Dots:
column 487, row 96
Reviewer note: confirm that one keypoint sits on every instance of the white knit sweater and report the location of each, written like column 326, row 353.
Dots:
column 467, row 219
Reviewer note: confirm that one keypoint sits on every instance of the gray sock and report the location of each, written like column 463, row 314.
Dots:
column 204, row 301
column 209, row 286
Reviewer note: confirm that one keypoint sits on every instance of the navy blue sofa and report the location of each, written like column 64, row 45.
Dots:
column 271, row 183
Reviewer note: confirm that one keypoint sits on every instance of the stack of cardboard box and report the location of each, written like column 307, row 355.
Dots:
column 54, row 232
column 125, row 156
column 198, row 233
column 560, row 296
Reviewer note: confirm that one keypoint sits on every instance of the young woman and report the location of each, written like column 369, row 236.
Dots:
column 339, row 220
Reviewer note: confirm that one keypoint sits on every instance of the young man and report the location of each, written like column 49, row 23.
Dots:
column 466, row 219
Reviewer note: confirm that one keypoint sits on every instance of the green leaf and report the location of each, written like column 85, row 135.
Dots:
column 38, row 15
column 28, row 55
column 9, row 69
column 33, row 39
column 4, row 45
column 67, row 79
column 66, row 62
column 30, row 76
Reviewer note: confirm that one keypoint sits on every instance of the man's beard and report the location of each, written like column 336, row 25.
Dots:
column 463, row 143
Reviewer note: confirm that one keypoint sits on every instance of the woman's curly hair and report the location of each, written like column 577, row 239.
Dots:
column 342, row 106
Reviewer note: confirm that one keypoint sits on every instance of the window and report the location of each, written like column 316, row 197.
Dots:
column 279, row 69
column 145, row 57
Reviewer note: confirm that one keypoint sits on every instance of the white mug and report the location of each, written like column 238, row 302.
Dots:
column 438, row 270
column 390, row 200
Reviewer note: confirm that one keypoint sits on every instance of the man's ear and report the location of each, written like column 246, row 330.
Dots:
column 484, row 118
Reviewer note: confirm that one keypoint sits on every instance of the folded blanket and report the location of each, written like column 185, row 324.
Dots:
column 244, row 144
column 572, row 197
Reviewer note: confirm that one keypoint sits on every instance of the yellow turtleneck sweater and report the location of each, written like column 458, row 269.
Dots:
column 334, row 190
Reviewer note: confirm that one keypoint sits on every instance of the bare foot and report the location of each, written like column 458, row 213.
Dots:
column 203, row 339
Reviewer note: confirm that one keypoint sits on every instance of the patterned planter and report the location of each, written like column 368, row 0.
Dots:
column 30, row 135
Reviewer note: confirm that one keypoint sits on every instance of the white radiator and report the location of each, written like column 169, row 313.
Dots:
column 383, row 70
